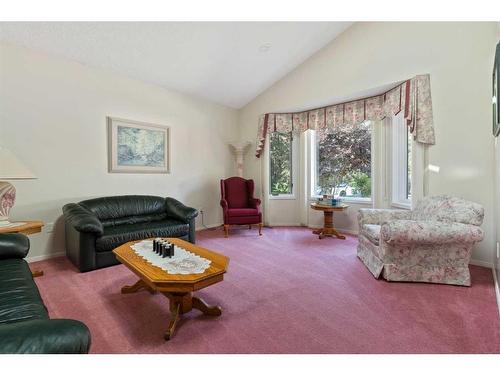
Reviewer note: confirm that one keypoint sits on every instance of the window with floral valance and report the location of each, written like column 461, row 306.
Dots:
column 412, row 96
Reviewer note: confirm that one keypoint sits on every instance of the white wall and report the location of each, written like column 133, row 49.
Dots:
column 458, row 57
column 497, row 194
column 53, row 117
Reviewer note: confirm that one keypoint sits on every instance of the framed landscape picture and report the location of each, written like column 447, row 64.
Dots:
column 496, row 85
column 137, row 147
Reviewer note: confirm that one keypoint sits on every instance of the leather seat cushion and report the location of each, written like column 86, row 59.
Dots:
column 233, row 212
column 117, row 235
column 19, row 296
column 372, row 232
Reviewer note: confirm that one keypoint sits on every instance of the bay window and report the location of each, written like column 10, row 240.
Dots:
column 373, row 163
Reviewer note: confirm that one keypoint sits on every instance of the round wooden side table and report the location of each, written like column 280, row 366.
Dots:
column 328, row 229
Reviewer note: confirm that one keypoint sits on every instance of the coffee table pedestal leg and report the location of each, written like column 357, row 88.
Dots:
column 328, row 229
column 181, row 303
column 139, row 285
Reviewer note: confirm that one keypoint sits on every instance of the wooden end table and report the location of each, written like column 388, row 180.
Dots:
column 177, row 288
column 328, row 229
column 29, row 227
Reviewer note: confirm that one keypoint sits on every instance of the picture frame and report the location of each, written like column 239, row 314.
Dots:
column 495, row 97
column 137, row 147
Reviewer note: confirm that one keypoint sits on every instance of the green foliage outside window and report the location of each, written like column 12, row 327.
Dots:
column 344, row 161
column 281, row 163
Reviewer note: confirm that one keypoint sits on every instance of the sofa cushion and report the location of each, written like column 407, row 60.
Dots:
column 117, row 235
column 124, row 206
column 371, row 232
column 19, row 296
column 242, row 212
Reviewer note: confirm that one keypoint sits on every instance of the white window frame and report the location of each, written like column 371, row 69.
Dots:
column 398, row 149
column 295, row 170
column 313, row 161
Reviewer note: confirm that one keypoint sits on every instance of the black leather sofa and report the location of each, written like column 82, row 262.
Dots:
column 25, row 326
column 95, row 227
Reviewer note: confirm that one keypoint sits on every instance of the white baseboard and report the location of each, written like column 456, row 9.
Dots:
column 284, row 225
column 497, row 288
column 348, row 231
column 45, row 257
column 341, row 230
column 481, row 263
column 208, row 226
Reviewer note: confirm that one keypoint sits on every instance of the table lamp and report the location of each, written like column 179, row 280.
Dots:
column 10, row 169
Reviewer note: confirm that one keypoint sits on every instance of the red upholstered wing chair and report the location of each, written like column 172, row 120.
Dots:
column 238, row 203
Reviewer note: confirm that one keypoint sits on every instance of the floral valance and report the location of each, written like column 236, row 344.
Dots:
column 412, row 96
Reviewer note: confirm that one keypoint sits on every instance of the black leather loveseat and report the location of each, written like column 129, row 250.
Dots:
column 95, row 227
column 25, row 326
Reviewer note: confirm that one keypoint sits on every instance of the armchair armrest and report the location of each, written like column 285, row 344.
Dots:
column 45, row 336
column 177, row 210
column 380, row 216
column 254, row 202
column 82, row 219
column 224, row 204
column 429, row 232
column 14, row 245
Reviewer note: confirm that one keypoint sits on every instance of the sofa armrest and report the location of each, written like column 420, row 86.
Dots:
column 380, row 216
column 82, row 219
column 45, row 336
column 177, row 210
column 14, row 245
column 429, row 232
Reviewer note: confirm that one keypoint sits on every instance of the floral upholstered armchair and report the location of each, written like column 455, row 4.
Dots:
column 431, row 243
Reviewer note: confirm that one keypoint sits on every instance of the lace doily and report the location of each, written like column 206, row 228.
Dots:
column 183, row 262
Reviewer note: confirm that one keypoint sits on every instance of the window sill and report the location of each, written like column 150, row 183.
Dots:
column 367, row 201
column 282, row 197
column 406, row 206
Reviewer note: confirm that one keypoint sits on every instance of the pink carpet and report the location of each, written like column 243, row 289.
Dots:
column 285, row 292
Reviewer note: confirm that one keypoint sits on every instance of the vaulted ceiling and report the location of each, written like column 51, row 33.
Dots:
column 226, row 62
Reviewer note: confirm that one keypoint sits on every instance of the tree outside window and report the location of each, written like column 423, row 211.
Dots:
column 344, row 161
column 280, row 148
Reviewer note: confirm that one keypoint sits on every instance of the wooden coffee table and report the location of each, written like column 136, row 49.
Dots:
column 177, row 288
column 328, row 229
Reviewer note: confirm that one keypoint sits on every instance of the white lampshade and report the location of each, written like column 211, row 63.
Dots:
column 11, row 168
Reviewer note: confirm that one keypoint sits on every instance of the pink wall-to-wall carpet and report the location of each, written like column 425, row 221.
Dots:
column 285, row 292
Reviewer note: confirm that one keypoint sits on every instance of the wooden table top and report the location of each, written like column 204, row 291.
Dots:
column 28, row 228
column 325, row 207
column 160, row 279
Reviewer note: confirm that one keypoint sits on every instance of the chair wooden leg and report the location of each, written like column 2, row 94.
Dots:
column 226, row 230
column 260, row 229
column 249, row 227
